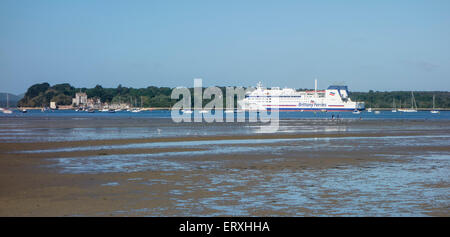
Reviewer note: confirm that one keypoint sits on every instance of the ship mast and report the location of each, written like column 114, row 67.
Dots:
column 315, row 88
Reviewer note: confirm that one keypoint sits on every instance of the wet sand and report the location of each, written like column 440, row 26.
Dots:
column 395, row 168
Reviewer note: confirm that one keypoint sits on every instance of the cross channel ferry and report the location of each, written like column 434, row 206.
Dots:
column 335, row 98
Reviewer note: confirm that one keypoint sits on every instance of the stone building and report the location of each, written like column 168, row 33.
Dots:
column 80, row 99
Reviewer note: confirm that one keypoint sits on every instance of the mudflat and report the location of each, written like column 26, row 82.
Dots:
column 142, row 167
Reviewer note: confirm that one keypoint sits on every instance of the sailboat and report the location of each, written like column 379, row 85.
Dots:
column 119, row 109
column 413, row 105
column 434, row 111
column 6, row 110
column 135, row 109
column 394, row 109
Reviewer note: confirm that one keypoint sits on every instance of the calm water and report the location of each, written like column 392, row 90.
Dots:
column 68, row 125
column 283, row 115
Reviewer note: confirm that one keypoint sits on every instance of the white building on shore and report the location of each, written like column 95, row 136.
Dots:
column 80, row 99
column 53, row 105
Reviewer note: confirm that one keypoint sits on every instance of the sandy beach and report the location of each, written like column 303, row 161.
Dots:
column 355, row 168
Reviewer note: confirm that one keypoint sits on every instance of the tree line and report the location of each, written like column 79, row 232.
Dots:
column 385, row 99
column 40, row 95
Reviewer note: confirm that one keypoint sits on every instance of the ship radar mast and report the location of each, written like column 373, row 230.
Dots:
column 315, row 87
column 259, row 85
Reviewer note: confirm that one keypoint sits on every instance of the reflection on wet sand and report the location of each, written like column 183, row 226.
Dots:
column 309, row 168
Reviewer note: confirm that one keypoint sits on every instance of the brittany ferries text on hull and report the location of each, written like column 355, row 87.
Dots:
column 335, row 98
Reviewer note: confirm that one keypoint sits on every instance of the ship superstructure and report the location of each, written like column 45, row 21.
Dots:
column 335, row 98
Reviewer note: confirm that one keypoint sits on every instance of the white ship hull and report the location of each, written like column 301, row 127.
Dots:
column 335, row 98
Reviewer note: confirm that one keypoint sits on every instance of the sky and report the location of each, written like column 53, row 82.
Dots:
column 380, row 45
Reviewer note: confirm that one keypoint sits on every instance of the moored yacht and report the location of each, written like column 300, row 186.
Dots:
column 413, row 105
column 434, row 111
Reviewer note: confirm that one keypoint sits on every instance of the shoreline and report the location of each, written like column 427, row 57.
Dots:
column 167, row 108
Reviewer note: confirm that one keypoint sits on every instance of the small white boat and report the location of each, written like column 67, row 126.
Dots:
column 394, row 108
column 356, row 111
column 377, row 112
column 104, row 110
column 135, row 111
column 369, row 110
column 7, row 111
column 118, row 110
column 228, row 111
column 408, row 110
column 434, row 111
column 186, row 111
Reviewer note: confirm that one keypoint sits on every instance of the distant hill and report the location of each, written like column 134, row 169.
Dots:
column 42, row 94
column 13, row 99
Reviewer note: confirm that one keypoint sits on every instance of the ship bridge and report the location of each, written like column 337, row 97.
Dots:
column 342, row 90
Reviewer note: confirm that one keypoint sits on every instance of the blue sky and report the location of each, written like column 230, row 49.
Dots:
column 378, row 45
